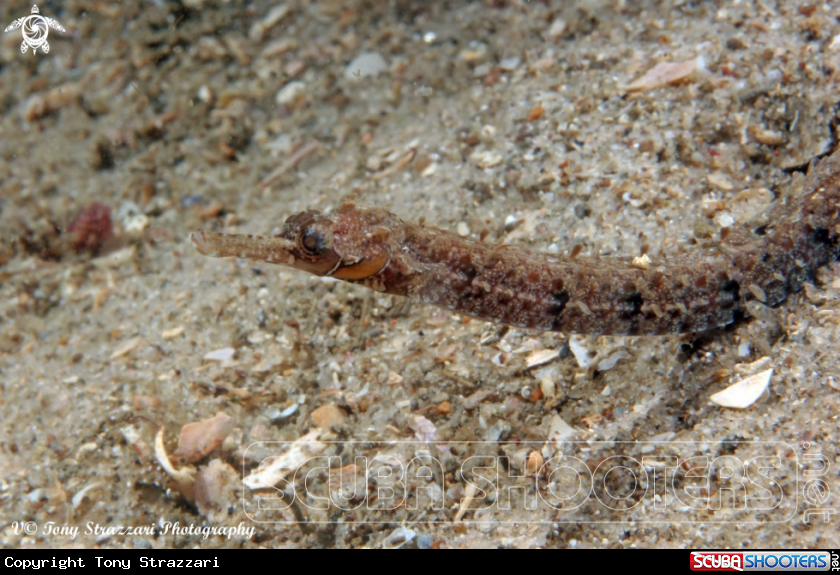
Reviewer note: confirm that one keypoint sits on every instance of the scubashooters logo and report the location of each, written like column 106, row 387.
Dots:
column 714, row 561
column 760, row 561
column 36, row 28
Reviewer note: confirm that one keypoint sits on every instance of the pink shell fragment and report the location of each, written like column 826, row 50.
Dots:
column 200, row 438
column 662, row 74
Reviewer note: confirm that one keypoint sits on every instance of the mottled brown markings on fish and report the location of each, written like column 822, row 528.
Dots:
column 696, row 289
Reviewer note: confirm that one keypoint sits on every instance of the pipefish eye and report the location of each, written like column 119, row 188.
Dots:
column 314, row 242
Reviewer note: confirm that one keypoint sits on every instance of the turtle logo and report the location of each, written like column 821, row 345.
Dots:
column 35, row 30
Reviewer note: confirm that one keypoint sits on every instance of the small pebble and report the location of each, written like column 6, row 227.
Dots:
column 609, row 362
column 126, row 347
column 290, row 92
column 327, row 416
column 200, row 438
column 424, row 429
column 275, row 415
column 541, row 357
column 719, row 181
column 486, row 159
column 365, row 65
column 509, row 64
column 642, row 262
column 224, row 354
column 274, row 16
column 557, row 28
column 725, row 220
column 580, row 352
column 172, row 333
column 474, row 53
column 548, row 388
column 205, row 94
column 399, row 537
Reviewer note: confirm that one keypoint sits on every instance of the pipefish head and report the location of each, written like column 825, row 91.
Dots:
column 348, row 244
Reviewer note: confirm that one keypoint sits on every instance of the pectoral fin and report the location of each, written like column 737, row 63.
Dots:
column 365, row 268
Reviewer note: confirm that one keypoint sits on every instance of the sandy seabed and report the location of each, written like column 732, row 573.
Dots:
column 538, row 122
